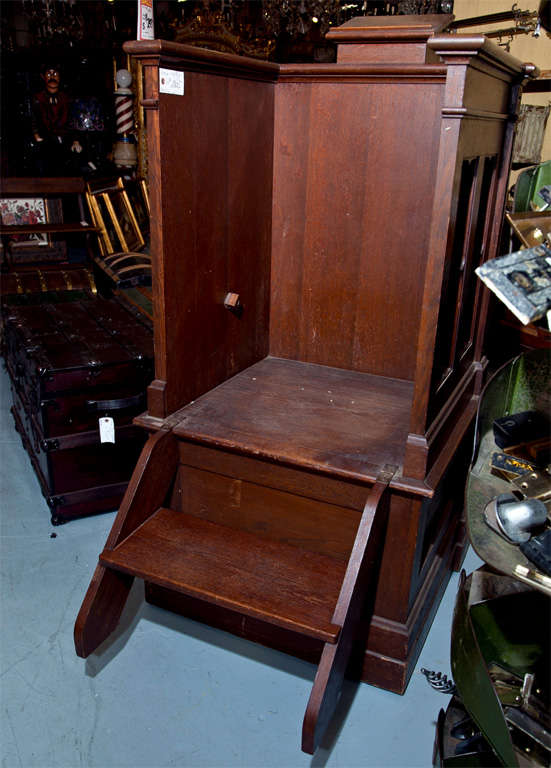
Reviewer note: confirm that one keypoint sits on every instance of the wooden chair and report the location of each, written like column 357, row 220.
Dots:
column 120, row 238
column 123, row 266
column 318, row 343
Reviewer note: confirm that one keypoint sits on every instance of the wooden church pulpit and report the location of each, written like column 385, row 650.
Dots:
column 318, row 342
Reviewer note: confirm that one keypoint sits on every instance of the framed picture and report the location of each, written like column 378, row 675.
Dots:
column 28, row 211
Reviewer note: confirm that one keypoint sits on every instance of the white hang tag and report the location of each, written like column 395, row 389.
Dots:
column 106, row 430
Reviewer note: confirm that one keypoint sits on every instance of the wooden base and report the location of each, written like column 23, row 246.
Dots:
column 290, row 588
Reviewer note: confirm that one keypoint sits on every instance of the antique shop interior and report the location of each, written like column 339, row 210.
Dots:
column 275, row 446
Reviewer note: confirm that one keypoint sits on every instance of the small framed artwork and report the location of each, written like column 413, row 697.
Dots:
column 28, row 212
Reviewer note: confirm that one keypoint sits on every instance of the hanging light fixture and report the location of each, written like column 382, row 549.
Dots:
column 55, row 21
column 297, row 18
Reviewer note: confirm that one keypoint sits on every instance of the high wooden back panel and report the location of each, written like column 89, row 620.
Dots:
column 330, row 199
column 353, row 179
column 214, row 184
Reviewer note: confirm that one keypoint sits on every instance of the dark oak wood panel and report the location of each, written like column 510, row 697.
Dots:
column 313, row 416
column 216, row 226
column 293, row 588
column 313, row 485
column 273, row 514
column 335, row 182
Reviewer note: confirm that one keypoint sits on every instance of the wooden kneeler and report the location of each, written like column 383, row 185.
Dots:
column 317, row 597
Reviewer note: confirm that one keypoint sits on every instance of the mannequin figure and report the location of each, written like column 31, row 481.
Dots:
column 50, row 126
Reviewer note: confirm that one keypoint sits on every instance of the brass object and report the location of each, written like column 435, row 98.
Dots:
column 535, row 484
column 209, row 29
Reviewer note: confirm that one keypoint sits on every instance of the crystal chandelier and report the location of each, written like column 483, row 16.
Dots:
column 54, row 21
column 297, row 17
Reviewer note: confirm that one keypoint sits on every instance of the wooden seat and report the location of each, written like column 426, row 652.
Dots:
column 310, row 416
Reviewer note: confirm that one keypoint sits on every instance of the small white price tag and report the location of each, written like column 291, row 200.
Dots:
column 171, row 81
column 106, row 430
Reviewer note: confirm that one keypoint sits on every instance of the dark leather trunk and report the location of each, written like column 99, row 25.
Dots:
column 71, row 364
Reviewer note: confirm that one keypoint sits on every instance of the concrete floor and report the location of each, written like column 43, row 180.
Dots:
column 166, row 691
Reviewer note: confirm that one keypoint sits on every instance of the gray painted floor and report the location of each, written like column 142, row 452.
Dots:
column 166, row 691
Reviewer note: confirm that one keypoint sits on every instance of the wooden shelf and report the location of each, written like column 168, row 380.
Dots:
column 313, row 416
column 33, row 229
column 281, row 584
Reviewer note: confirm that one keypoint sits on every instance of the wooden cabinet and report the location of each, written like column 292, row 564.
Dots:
column 318, row 342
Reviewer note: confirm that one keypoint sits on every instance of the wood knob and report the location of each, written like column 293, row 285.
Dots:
column 232, row 303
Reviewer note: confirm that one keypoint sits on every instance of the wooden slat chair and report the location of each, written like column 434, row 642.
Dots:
column 120, row 238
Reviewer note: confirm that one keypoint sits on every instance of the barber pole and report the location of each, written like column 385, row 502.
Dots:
column 125, row 148
column 123, row 113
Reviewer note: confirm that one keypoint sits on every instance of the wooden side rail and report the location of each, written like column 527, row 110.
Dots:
column 106, row 596
column 360, row 572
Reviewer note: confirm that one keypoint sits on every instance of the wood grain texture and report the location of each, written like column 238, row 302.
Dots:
column 284, row 585
column 106, row 596
column 360, row 575
column 267, row 512
column 215, row 194
column 338, row 421
column 337, row 185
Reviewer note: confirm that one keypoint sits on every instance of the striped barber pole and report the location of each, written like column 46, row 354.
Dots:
column 124, row 116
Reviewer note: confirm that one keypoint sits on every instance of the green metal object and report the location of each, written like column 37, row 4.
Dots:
column 464, row 749
column 473, row 682
column 528, row 186
column 513, row 632
column 521, row 385
column 501, row 631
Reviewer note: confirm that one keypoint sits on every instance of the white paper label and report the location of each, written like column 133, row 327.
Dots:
column 106, row 430
column 171, row 81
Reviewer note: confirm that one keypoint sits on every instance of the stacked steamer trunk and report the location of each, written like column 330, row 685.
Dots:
column 73, row 357
column 318, row 343
column 72, row 363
